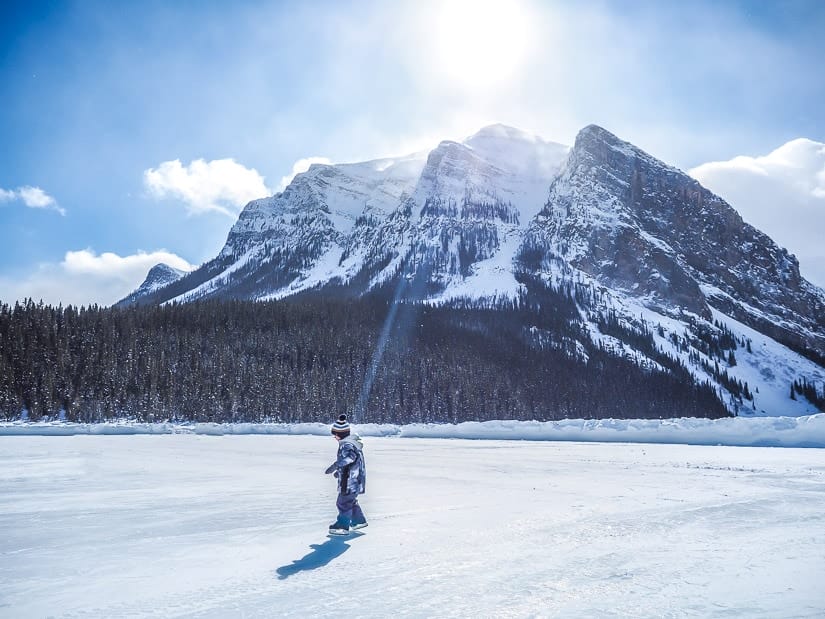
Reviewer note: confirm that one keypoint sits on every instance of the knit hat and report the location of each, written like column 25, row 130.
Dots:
column 341, row 426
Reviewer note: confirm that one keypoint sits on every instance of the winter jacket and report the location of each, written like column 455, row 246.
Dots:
column 352, row 471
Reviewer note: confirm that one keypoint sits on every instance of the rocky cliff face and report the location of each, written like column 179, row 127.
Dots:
column 649, row 230
column 657, row 266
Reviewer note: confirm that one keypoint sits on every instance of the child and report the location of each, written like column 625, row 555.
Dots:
column 351, row 472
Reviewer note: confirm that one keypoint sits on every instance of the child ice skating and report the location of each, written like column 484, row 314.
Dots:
column 351, row 471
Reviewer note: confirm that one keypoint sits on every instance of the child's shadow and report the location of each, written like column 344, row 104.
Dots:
column 321, row 554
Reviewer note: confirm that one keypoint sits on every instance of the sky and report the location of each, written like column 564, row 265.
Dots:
column 236, row 527
column 134, row 133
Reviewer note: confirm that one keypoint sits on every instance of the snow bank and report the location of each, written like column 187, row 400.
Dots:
column 806, row 431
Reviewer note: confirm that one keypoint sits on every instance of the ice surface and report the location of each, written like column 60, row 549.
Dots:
column 190, row 525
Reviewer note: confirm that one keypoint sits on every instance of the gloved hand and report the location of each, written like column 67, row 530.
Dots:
column 330, row 468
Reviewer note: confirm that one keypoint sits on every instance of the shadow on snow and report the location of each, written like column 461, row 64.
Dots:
column 320, row 556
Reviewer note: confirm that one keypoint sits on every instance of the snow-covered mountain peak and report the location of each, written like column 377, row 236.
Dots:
column 594, row 134
column 518, row 152
column 333, row 195
column 163, row 269
column 498, row 164
column 159, row 276
column 593, row 131
column 454, row 160
column 502, row 131
column 601, row 147
column 603, row 228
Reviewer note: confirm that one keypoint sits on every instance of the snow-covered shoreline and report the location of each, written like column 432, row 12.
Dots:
column 805, row 431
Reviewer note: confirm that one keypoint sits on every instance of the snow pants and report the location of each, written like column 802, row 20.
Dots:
column 349, row 511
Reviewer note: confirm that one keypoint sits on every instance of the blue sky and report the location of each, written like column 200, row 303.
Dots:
column 99, row 100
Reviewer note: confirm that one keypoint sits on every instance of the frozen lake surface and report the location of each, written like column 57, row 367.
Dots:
column 235, row 526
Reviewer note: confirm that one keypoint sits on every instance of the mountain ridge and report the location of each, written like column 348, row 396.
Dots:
column 504, row 214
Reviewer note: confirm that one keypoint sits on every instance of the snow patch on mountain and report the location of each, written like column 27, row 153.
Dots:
column 322, row 271
column 772, row 367
column 218, row 281
column 491, row 279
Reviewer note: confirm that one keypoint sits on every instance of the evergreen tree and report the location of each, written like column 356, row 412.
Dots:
column 306, row 358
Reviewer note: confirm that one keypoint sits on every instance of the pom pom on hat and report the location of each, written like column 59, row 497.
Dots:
column 341, row 426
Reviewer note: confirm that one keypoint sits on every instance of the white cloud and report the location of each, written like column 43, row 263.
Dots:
column 300, row 166
column 84, row 277
column 221, row 185
column 782, row 194
column 33, row 197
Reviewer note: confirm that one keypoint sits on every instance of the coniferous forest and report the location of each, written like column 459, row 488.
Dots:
column 307, row 358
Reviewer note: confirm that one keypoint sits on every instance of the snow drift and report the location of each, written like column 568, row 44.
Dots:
column 805, row 431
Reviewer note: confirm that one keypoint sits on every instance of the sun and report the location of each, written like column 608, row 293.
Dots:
column 481, row 42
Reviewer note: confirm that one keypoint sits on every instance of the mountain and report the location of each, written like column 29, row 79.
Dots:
column 358, row 225
column 649, row 264
column 159, row 276
column 647, row 229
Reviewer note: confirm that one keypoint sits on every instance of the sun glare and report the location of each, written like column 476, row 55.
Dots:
column 481, row 42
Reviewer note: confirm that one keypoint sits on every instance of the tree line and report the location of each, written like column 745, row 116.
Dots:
column 307, row 358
